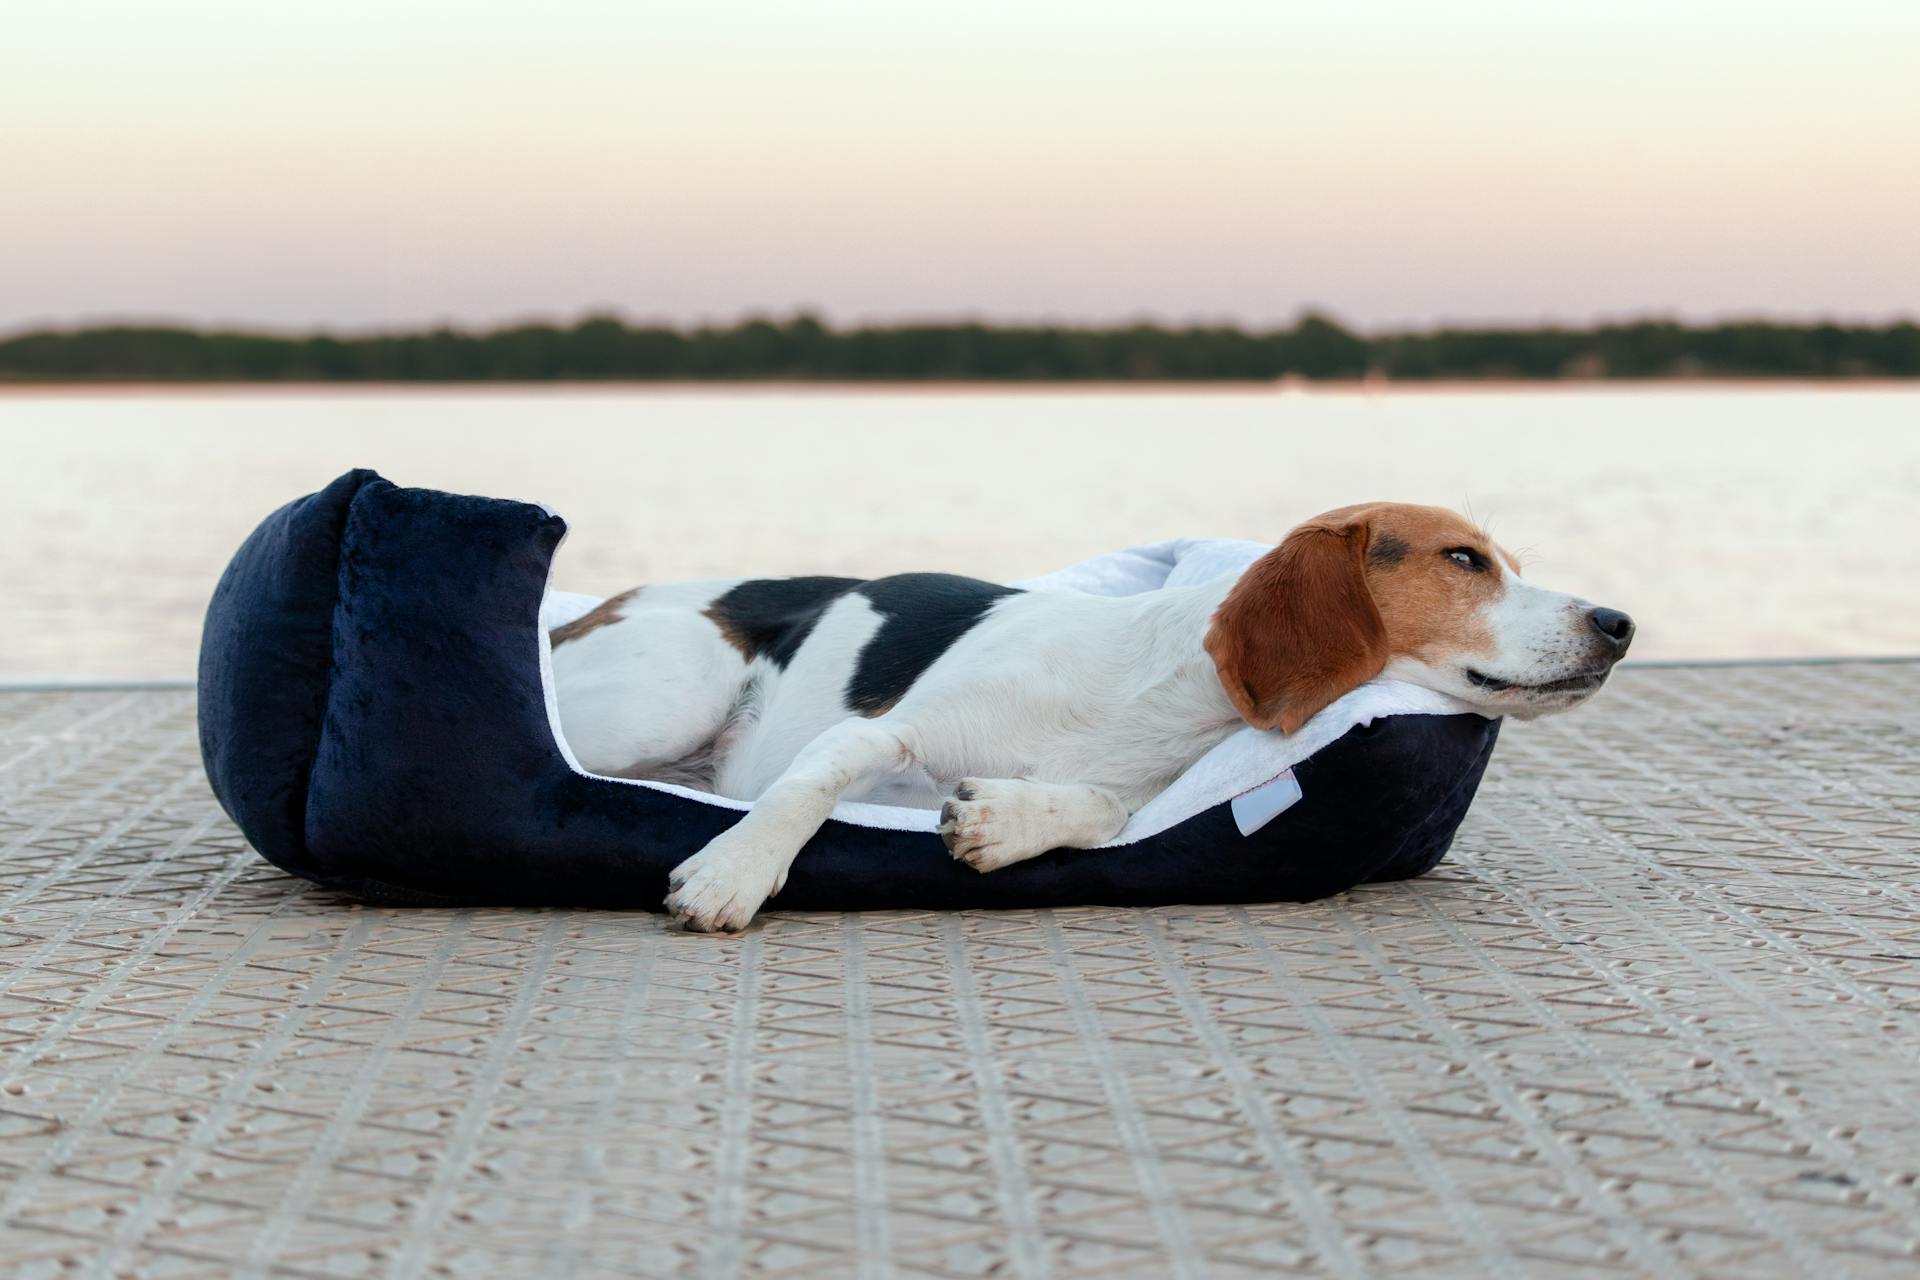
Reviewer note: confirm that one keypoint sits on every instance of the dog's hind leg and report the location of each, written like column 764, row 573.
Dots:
column 994, row 822
column 648, row 695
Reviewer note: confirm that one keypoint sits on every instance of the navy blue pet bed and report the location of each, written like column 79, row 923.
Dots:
column 376, row 717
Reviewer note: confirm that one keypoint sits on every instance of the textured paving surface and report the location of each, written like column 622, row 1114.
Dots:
column 1659, row 1014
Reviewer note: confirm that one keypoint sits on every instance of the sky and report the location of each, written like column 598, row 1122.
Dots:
column 358, row 165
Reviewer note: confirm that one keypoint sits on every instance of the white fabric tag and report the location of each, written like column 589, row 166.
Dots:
column 1256, row 808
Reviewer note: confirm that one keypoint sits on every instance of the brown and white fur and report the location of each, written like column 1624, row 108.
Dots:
column 1042, row 719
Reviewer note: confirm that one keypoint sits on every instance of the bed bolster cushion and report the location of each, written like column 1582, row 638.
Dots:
column 266, row 653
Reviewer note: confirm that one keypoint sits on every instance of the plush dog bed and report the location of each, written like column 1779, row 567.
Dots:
column 377, row 715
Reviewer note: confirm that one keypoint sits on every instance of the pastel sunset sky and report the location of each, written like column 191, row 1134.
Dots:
column 358, row 164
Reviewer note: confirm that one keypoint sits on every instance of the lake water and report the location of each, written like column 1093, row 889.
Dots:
column 1732, row 521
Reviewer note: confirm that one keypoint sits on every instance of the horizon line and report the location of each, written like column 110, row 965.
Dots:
column 959, row 319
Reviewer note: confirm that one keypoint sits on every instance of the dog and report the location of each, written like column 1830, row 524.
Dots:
column 1038, row 720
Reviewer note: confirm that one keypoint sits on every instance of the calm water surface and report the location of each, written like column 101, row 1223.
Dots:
column 1731, row 521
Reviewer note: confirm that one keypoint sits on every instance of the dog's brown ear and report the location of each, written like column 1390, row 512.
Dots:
column 1300, row 627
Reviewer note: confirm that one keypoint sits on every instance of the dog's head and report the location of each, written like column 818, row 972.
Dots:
column 1414, row 593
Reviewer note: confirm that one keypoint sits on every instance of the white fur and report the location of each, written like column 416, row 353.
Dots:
column 1539, row 635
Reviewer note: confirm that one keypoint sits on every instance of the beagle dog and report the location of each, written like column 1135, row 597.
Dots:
column 1038, row 719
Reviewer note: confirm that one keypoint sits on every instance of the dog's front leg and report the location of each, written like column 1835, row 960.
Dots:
column 994, row 822
column 718, row 889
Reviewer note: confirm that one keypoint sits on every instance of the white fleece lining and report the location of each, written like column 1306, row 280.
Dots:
column 1247, row 760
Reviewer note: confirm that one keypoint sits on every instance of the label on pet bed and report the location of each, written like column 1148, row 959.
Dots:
column 1254, row 809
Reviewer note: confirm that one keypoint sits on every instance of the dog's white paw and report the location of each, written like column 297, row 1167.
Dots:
column 719, row 889
column 986, row 824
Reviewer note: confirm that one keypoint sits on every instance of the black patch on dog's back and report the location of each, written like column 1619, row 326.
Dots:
column 771, row 617
column 924, row 614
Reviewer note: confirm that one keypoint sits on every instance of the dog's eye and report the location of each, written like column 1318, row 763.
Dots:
column 1468, row 558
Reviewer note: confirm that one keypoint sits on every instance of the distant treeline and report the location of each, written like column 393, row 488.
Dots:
column 804, row 348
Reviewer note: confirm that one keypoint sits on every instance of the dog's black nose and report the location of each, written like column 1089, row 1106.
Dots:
column 1615, row 626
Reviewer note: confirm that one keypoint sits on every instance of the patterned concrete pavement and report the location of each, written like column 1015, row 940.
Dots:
column 1659, row 1014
